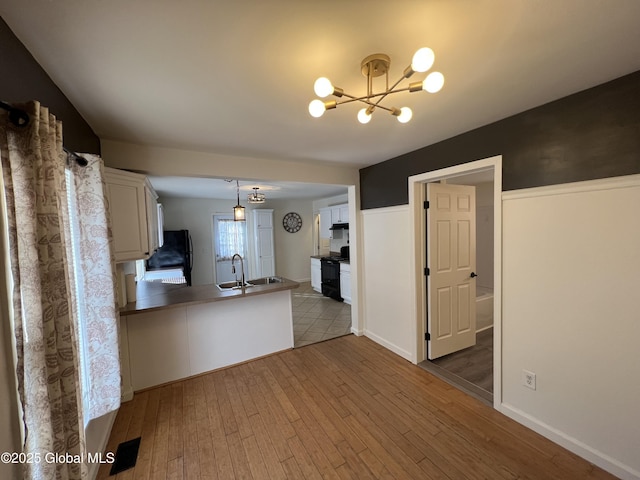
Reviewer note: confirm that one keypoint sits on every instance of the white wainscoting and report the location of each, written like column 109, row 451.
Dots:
column 571, row 315
column 388, row 310
column 570, row 311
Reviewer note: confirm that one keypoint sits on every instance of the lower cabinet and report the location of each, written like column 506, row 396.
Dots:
column 316, row 275
column 345, row 282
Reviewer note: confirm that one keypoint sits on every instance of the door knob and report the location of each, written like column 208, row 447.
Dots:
column 473, row 275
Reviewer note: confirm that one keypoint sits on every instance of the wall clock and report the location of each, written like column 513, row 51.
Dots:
column 292, row 222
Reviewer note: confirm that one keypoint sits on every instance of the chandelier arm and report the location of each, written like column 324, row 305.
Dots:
column 390, row 91
column 366, row 101
column 364, row 98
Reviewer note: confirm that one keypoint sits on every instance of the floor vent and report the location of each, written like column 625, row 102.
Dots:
column 126, row 456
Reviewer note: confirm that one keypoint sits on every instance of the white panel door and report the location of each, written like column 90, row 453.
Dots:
column 451, row 258
column 266, row 258
column 325, row 222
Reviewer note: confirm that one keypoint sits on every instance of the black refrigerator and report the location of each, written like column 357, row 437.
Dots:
column 176, row 252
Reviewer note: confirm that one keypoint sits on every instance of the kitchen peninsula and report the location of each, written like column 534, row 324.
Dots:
column 174, row 331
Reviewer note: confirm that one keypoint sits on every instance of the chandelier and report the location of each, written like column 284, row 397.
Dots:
column 256, row 197
column 374, row 66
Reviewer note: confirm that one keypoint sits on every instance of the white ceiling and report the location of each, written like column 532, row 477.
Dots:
column 189, row 187
column 236, row 77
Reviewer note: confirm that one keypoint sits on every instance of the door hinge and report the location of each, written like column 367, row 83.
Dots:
column 426, row 204
column 427, row 336
column 426, row 271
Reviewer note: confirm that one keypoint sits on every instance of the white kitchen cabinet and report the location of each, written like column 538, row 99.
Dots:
column 340, row 213
column 134, row 214
column 316, row 275
column 345, row 282
column 153, row 220
column 265, row 251
column 331, row 215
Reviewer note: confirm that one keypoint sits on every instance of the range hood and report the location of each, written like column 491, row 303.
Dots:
column 339, row 226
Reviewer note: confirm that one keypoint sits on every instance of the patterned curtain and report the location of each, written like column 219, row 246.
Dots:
column 94, row 298
column 46, row 337
column 232, row 238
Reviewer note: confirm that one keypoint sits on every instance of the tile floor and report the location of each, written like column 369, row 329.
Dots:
column 317, row 318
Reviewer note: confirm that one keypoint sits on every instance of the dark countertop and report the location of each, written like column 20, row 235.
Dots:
column 157, row 295
column 318, row 257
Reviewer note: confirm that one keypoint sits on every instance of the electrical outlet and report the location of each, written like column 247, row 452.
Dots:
column 529, row 379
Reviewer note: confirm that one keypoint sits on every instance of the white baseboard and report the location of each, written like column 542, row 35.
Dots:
column 574, row 445
column 100, row 445
column 394, row 348
column 126, row 394
column 482, row 329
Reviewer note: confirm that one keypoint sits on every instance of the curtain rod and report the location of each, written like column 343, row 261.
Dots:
column 20, row 118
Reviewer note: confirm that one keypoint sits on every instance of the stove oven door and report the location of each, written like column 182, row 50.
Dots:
column 330, row 271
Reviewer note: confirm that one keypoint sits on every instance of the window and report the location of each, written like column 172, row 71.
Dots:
column 230, row 237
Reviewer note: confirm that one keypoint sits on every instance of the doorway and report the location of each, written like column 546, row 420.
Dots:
column 469, row 363
column 483, row 170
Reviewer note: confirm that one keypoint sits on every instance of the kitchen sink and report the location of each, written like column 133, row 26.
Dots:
column 265, row 281
column 232, row 285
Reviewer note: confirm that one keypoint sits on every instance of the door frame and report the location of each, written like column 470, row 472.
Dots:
column 418, row 257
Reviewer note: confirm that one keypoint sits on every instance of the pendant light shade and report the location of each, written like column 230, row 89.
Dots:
column 238, row 213
column 255, row 197
column 238, row 210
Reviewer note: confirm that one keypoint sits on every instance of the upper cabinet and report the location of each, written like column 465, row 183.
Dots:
column 133, row 208
column 331, row 215
column 340, row 213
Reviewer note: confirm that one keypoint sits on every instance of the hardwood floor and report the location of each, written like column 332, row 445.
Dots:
column 343, row 408
column 470, row 369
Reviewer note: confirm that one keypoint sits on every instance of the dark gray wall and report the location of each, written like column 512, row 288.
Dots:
column 24, row 79
column 591, row 134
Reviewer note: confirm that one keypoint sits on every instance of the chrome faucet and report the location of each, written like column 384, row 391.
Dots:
column 233, row 269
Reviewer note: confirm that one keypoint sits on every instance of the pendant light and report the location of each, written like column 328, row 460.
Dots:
column 238, row 210
column 256, row 197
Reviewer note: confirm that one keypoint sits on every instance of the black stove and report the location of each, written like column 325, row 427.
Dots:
column 330, row 270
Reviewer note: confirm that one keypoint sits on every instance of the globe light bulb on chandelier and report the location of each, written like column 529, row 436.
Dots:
column 373, row 66
column 364, row 116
